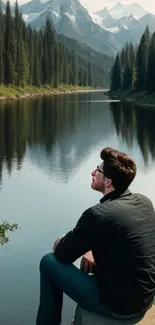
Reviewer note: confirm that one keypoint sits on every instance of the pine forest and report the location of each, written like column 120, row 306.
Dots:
column 40, row 57
column 134, row 67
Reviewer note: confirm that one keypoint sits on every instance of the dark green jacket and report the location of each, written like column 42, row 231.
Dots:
column 120, row 231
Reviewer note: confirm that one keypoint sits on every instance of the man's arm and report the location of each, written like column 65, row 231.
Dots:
column 80, row 240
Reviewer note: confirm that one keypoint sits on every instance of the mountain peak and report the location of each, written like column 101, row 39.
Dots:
column 119, row 5
column 106, row 10
column 104, row 13
column 120, row 10
column 131, row 17
column 71, row 19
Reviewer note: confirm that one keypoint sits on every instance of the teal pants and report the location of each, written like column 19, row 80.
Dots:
column 56, row 278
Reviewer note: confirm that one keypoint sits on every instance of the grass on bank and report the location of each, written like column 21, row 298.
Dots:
column 139, row 98
column 12, row 91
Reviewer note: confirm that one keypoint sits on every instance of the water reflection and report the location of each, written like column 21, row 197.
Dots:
column 59, row 133
column 55, row 133
column 136, row 125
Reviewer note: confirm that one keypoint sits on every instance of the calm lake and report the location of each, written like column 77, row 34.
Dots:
column 48, row 148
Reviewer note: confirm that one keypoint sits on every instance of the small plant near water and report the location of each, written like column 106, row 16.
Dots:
column 4, row 228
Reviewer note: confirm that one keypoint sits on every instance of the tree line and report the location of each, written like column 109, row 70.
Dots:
column 39, row 57
column 134, row 67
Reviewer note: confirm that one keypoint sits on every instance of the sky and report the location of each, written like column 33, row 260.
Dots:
column 94, row 5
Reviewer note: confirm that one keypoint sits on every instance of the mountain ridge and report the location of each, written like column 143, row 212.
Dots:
column 73, row 20
column 120, row 10
column 100, row 31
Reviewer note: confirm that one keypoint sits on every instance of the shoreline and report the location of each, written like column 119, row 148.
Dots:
column 139, row 99
column 12, row 93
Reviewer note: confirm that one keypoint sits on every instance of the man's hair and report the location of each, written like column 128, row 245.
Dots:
column 119, row 167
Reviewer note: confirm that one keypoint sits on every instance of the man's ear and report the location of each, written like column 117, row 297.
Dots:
column 108, row 182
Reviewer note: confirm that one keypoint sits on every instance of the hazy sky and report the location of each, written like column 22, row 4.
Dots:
column 94, row 5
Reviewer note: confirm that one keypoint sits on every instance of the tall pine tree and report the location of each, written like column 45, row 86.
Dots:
column 9, row 47
column 1, row 44
column 150, row 85
column 142, row 61
column 116, row 75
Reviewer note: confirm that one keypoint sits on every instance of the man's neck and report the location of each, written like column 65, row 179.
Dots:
column 108, row 190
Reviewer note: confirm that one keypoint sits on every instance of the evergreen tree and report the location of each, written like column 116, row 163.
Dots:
column 73, row 69
column 56, row 66
column 49, row 42
column 151, row 66
column 81, row 77
column 31, row 56
column 127, row 71
column 85, row 78
column 21, row 63
column 9, row 48
column 90, row 75
column 132, row 60
column 142, row 61
column 116, row 74
column 36, row 76
column 132, row 56
column 1, row 44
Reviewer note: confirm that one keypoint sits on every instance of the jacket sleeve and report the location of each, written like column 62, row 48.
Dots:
column 80, row 240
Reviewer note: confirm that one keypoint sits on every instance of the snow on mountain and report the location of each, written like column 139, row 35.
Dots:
column 100, row 31
column 112, row 29
column 120, row 10
column 71, row 19
column 128, row 27
column 106, row 21
column 129, row 22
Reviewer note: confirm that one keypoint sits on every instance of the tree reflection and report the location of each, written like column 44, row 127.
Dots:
column 136, row 124
column 55, row 131
column 59, row 133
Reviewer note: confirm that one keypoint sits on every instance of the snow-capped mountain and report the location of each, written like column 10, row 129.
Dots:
column 131, row 31
column 127, row 28
column 120, row 10
column 100, row 30
column 129, row 22
column 70, row 19
column 115, row 25
column 106, row 21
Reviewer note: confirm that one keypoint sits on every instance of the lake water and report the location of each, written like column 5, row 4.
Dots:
column 48, row 148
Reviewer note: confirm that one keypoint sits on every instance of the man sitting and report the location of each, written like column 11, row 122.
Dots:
column 116, row 238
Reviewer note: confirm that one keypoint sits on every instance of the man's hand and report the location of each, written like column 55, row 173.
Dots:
column 88, row 263
column 57, row 242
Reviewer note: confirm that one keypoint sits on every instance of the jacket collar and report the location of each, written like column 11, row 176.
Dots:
column 115, row 195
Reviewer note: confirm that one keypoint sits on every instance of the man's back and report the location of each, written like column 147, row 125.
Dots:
column 125, row 252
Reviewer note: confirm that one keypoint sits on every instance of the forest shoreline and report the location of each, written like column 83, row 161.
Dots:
column 141, row 99
column 12, row 93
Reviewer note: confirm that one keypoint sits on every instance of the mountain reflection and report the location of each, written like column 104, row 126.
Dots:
column 59, row 133
column 136, row 124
